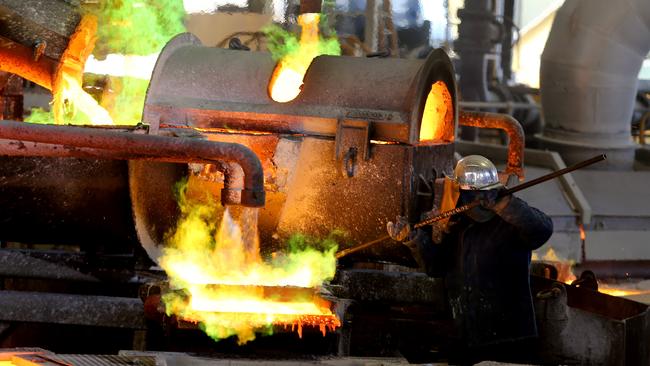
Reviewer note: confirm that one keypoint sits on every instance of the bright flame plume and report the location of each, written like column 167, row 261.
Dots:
column 67, row 92
column 225, row 282
column 287, row 79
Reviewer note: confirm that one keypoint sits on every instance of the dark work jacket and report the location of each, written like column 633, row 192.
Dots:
column 486, row 271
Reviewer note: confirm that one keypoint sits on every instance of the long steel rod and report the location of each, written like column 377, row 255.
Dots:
column 469, row 206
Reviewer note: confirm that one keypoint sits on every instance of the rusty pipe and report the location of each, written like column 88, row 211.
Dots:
column 20, row 60
column 511, row 127
column 233, row 173
column 233, row 183
column 71, row 141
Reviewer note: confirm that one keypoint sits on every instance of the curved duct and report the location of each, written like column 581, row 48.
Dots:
column 588, row 77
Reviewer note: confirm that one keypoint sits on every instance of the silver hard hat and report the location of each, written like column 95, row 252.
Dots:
column 475, row 172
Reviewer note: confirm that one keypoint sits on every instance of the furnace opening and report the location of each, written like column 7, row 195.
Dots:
column 438, row 116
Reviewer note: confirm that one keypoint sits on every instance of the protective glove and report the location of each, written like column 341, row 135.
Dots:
column 399, row 230
column 491, row 200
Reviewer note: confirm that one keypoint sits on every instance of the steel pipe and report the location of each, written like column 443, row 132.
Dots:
column 511, row 127
column 92, row 142
column 18, row 59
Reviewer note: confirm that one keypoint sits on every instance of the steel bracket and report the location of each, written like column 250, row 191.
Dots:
column 352, row 144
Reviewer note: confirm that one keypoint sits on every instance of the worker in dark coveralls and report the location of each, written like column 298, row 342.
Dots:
column 484, row 256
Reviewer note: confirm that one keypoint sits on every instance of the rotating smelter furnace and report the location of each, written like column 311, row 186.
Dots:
column 362, row 142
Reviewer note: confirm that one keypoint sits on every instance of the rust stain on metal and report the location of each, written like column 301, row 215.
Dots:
column 119, row 145
column 511, row 127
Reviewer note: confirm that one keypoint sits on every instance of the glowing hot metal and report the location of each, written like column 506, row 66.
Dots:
column 227, row 287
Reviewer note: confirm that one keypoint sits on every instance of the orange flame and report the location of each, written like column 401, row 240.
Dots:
column 583, row 235
column 286, row 82
column 66, row 90
column 226, row 282
column 621, row 291
column 437, row 118
column 563, row 266
column 566, row 275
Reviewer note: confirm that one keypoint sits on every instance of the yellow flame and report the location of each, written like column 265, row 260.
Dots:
column 67, row 92
column 437, row 118
column 135, row 66
column 286, row 82
column 73, row 96
column 223, row 277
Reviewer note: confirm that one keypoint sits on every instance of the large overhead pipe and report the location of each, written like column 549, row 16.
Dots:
column 588, row 77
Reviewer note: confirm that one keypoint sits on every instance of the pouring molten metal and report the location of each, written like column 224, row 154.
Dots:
column 226, row 286
column 67, row 89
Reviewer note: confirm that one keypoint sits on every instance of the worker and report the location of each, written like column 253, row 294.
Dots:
column 484, row 256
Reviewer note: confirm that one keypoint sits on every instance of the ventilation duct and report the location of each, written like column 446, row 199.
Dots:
column 588, row 77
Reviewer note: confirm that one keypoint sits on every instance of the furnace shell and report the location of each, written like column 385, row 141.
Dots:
column 344, row 155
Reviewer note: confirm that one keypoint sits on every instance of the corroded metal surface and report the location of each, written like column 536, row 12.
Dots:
column 381, row 286
column 16, row 264
column 581, row 326
column 220, row 88
column 102, row 311
column 30, row 22
column 65, row 201
column 309, row 191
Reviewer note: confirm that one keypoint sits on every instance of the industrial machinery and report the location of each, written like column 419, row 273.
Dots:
column 87, row 211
